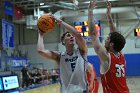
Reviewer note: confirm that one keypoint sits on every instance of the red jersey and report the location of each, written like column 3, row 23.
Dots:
column 95, row 83
column 114, row 80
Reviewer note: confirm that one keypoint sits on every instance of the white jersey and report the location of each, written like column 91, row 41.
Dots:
column 73, row 73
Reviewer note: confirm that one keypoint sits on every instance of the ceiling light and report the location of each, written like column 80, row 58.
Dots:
column 41, row 3
column 99, row 1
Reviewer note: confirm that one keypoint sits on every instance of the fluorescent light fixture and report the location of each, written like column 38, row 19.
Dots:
column 41, row 3
column 45, row 6
column 67, row 4
column 87, row 2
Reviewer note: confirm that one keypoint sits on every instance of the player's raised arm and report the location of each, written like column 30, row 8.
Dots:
column 53, row 55
column 110, row 20
column 79, row 39
column 99, row 49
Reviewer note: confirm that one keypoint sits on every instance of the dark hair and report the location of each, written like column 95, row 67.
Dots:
column 62, row 37
column 118, row 40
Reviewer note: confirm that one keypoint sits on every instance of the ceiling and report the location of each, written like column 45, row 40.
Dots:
column 55, row 5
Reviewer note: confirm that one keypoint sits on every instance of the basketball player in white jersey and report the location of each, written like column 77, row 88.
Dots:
column 72, row 65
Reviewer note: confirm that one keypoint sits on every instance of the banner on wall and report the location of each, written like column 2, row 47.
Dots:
column 17, row 61
column 8, row 8
column 7, row 34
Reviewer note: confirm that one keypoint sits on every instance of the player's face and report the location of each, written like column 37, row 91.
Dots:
column 69, row 39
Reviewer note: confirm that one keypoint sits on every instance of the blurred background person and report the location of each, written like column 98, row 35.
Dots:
column 25, row 77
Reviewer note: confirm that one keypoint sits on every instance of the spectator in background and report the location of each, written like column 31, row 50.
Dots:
column 39, row 76
column 54, row 75
column 32, row 77
column 49, row 75
column 25, row 76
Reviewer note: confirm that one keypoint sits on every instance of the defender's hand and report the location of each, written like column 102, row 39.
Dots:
column 108, row 7
column 92, row 5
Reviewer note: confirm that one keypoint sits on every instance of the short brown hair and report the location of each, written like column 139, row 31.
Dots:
column 62, row 37
column 118, row 40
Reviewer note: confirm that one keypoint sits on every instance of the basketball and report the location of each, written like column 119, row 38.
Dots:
column 45, row 23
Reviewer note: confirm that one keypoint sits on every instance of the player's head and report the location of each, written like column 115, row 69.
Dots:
column 67, row 38
column 116, row 41
column 24, row 66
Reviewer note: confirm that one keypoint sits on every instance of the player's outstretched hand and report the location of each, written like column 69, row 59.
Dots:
column 108, row 7
column 92, row 5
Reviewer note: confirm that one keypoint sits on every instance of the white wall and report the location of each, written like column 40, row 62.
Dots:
column 128, row 49
column 36, row 59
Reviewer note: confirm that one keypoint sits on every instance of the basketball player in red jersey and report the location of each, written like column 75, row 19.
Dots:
column 112, row 61
column 93, row 85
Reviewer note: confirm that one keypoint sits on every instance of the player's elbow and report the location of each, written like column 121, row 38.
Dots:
column 40, row 51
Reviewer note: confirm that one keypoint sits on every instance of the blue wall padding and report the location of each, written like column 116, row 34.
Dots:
column 96, row 62
column 132, row 64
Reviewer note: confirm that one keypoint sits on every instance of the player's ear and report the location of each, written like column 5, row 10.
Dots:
column 111, row 44
column 63, row 43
